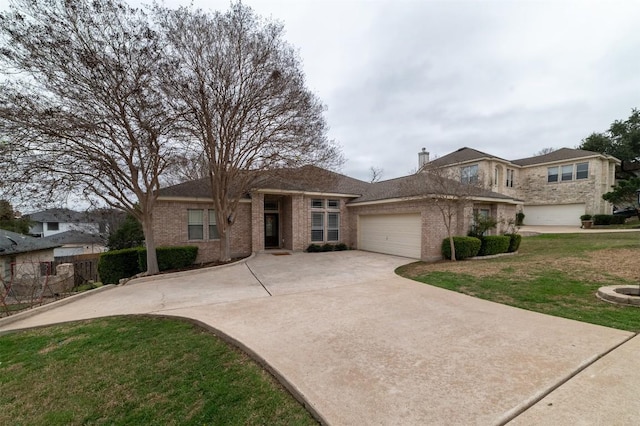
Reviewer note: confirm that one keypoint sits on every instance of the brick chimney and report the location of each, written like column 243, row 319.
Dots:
column 423, row 158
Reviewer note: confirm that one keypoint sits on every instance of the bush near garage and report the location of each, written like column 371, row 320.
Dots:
column 608, row 219
column 465, row 247
column 494, row 244
column 514, row 242
column 115, row 265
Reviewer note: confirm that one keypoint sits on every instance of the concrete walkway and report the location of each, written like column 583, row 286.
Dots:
column 361, row 345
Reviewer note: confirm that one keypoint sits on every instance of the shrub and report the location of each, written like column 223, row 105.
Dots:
column 117, row 264
column 481, row 224
column 327, row 247
column 314, row 248
column 514, row 242
column 465, row 247
column 170, row 257
column 585, row 217
column 519, row 218
column 608, row 219
column 341, row 247
column 494, row 244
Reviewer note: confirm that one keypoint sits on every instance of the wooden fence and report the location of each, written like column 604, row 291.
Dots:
column 85, row 267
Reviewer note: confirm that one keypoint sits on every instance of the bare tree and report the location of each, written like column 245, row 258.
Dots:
column 241, row 93
column 375, row 174
column 82, row 106
column 451, row 195
column 190, row 164
column 544, row 151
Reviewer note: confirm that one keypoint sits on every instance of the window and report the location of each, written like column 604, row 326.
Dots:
column 469, row 174
column 271, row 206
column 510, row 178
column 213, row 227
column 317, row 226
column 567, row 172
column 317, row 204
column 333, row 226
column 333, row 204
column 53, row 226
column 582, row 170
column 196, row 224
column 552, row 174
column 496, row 176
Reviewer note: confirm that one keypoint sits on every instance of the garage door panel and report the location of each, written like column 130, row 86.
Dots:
column 391, row 234
column 563, row 214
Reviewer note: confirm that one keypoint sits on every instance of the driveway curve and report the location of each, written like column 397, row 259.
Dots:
column 362, row 345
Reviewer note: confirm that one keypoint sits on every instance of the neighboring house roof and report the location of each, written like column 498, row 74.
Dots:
column 304, row 179
column 561, row 154
column 14, row 243
column 463, row 155
column 75, row 237
column 418, row 185
column 60, row 215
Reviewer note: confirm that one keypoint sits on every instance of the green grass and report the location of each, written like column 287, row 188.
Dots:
column 552, row 275
column 133, row 371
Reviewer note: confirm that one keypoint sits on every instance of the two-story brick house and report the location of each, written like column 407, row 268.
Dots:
column 294, row 208
column 554, row 188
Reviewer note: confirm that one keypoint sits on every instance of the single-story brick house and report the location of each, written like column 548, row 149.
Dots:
column 291, row 209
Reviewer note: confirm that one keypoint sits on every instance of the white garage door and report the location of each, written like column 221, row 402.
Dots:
column 398, row 234
column 565, row 214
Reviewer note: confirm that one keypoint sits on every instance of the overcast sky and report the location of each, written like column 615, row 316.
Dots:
column 505, row 77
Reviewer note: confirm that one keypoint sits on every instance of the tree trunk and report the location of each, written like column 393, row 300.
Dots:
column 223, row 233
column 453, row 247
column 150, row 243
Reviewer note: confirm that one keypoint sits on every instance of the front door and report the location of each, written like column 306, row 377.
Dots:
column 271, row 235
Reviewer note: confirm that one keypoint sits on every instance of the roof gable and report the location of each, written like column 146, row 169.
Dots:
column 301, row 179
column 463, row 155
column 561, row 154
column 416, row 185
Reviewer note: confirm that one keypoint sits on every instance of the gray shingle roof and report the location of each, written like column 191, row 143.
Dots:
column 13, row 243
column 60, row 215
column 461, row 155
column 558, row 155
column 74, row 237
column 419, row 184
column 306, row 179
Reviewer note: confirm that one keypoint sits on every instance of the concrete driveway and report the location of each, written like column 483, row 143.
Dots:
column 361, row 345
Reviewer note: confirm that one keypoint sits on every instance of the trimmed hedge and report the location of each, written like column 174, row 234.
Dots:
column 170, row 257
column 316, row 248
column 494, row 244
column 465, row 247
column 608, row 219
column 514, row 242
column 117, row 264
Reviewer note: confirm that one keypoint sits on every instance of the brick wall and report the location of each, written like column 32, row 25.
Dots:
column 170, row 225
column 537, row 191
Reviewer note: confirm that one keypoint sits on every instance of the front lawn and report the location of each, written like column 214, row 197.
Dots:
column 136, row 371
column 554, row 274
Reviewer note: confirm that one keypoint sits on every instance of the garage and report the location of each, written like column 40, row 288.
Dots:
column 563, row 214
column 397, row 234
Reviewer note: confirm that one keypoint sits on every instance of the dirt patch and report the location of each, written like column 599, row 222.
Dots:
column 598, row 266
